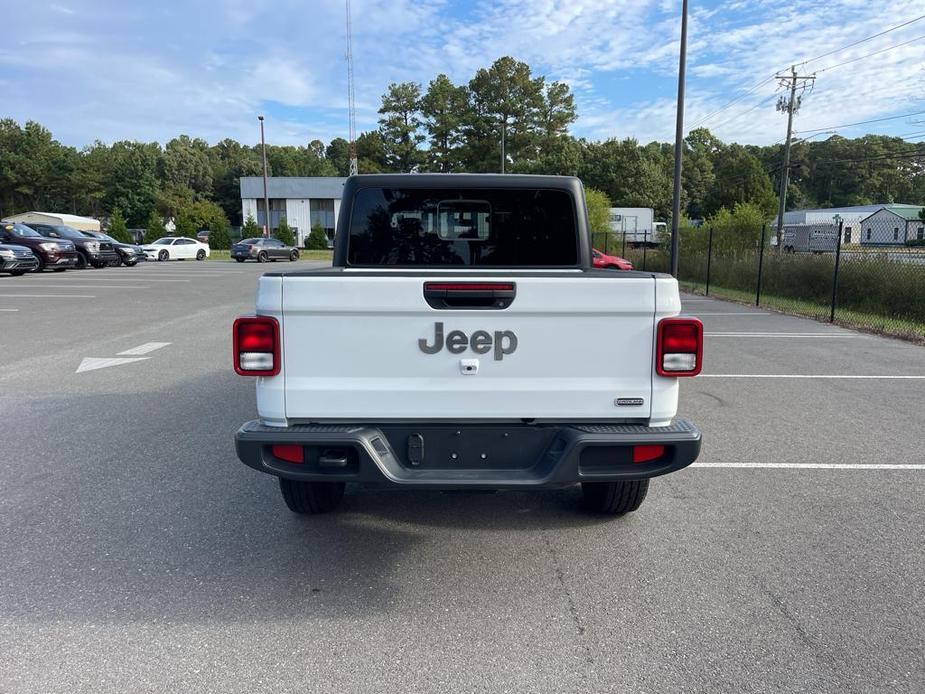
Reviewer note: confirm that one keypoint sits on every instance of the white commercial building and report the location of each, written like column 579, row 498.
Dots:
column 302, row 201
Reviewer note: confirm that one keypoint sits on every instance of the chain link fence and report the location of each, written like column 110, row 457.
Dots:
column 875, row 288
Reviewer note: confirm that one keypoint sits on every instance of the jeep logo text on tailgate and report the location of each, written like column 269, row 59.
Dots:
column 481, row 342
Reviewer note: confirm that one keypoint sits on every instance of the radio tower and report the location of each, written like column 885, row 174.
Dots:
column 351, row 99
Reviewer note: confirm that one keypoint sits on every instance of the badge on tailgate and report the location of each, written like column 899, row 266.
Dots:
column 501, row 342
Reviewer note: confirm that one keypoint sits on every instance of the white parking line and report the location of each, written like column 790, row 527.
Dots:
column 47, row 296
column 53, row 285
column 94, row 363
column 9, row 309
column 146, row 278
column 145, row 348
column 823, row 376
column 818, row 466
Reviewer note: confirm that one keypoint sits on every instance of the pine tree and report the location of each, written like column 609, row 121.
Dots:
column 250, row 228
column 154, row 228
column 317, row 240
column 118, row 229
column 284, row 232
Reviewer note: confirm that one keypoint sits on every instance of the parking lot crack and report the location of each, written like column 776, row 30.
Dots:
column 572, row 610
column 817, row 650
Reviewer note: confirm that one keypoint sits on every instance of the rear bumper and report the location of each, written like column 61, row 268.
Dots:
column 487, row 456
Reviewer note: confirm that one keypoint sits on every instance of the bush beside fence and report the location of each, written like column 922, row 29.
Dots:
column 878, row 290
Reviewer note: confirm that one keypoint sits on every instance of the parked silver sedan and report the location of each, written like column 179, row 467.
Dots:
column 263, row 250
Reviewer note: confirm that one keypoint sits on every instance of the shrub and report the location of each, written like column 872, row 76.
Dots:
column 284, row 233
column 118, row 229
column 219, row 238
column 250, row 228
column 154, row 228
column 317, row 239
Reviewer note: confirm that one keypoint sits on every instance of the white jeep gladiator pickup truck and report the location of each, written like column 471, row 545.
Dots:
column 463, row 340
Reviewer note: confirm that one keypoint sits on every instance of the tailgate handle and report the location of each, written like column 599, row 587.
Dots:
column 470, row 295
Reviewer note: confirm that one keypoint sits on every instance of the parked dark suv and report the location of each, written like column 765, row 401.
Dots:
column 90, row 251
column 57, row 254
column 129, row 253
column 16, row 260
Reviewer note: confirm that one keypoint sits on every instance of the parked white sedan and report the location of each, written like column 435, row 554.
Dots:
column 176, row 248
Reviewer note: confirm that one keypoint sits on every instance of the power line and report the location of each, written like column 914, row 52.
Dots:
column 882, row 50
column 742, row 113
column 760, row 84
column 878, row 157
column 864, row 40
column 732, row 102
column 863, row 122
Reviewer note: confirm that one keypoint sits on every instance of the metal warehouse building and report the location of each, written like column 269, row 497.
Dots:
column 301, row 201
column 852, row 219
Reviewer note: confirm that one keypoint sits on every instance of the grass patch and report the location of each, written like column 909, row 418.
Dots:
column 303, row 255
column 849, row 318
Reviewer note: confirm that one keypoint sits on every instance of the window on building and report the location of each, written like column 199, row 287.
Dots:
column 322, row 212
column 277, row 212
column 868, row 233
column 847, row 234
column 920, row 235
column 896, row 233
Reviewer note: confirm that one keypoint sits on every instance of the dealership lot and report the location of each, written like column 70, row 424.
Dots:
column 145, row 557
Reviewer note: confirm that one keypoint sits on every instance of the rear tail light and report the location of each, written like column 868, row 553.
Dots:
column 646, row 454
column 256, row 346
column 679, row 347
column 291, row 454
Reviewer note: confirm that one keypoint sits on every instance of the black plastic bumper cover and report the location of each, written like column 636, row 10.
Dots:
column 543, row 455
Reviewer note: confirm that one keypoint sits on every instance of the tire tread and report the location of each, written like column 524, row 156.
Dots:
column 311, row 498
column 614, row 498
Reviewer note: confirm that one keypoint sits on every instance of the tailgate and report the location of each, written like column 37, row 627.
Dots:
column 367, row 347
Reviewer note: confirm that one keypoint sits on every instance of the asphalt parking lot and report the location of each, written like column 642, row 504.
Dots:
column 139, row 555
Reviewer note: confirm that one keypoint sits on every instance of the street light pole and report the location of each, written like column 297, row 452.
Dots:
column 678, row 144
column 266, row 199
column 503, row 128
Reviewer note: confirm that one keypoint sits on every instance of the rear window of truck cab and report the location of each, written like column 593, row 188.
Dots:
column 413, row 227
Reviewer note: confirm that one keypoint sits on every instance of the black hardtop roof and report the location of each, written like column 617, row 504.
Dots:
column 463, row 180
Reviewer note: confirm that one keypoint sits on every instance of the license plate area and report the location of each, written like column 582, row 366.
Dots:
column 487, row 447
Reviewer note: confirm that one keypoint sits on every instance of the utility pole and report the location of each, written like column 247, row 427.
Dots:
column 266, row 199
column 791, row 105
column 678, row 145
column 351, row 98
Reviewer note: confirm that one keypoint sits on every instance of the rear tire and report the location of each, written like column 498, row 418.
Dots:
column 310, row 498
column 294, row 256
column 262, row 257
column 240, row 260
column 200, row 254
column 614, row 498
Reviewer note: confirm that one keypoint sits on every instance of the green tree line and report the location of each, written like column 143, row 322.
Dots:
column 448, row 127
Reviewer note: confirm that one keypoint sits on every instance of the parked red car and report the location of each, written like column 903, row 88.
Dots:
column 614, row 262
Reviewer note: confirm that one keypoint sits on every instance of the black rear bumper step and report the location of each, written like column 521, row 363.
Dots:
column 446, row 456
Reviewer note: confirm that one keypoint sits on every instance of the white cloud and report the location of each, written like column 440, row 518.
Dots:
column 127, row 70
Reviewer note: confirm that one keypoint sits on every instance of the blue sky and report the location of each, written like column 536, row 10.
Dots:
column 149, row 71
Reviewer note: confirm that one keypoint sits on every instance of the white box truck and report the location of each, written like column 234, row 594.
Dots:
column 638, row 224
